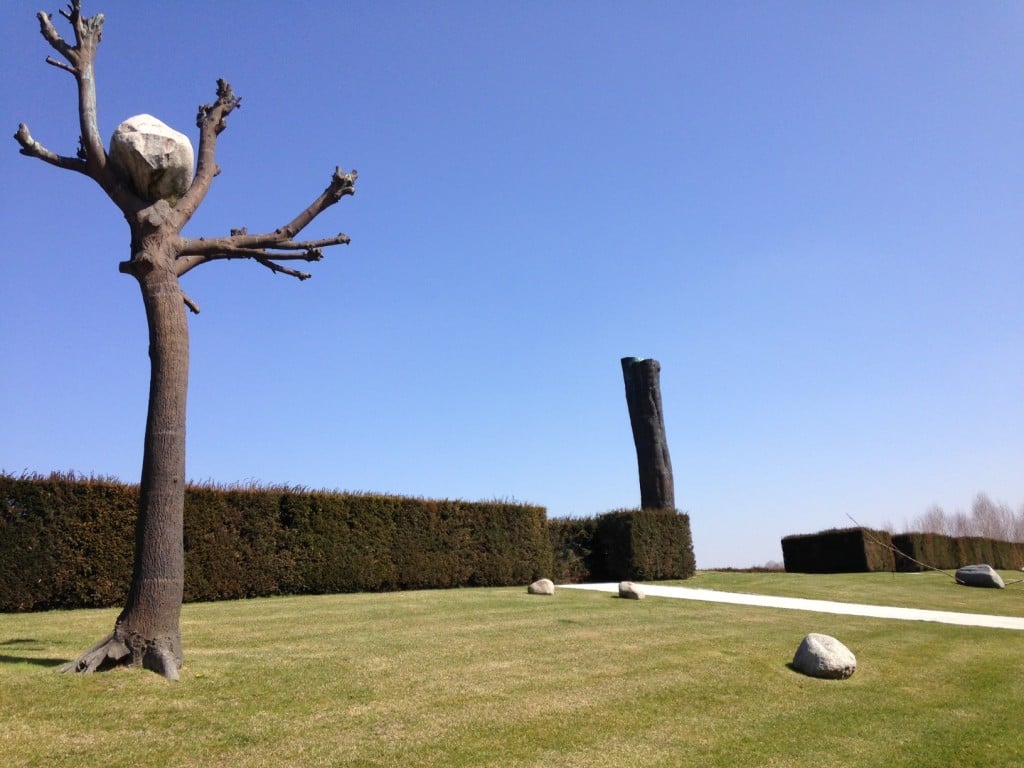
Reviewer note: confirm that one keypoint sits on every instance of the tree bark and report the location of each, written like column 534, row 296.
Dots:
column 147, row 632
column 643, row 397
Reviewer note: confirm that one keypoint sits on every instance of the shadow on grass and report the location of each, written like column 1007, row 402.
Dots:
column 790, row 666
column 28, row 643
column 30, row 660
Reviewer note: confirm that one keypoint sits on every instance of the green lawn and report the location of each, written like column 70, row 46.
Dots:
column 932, row 590
column 496, row 677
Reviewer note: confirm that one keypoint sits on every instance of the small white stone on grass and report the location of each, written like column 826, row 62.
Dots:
column 542, row 587
column 630, row 591
column 824, row 656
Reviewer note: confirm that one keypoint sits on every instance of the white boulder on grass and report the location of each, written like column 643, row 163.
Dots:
column 153, row 158
column 824, row 656
column 630, row 591
column 542, row 587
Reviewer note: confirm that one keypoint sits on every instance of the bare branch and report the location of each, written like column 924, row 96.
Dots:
column 241, row 240
column 312, row 254
column 267, row 258
column 211, row 120
column 215, row 115
column 32, row 148
column 192, row 253
column 91, row 156
column 80, row 57
column 52, row 36
column 87, row 35
column 290, row 245
column 61, row 65
column 284, row 270
column 342, row 184
column 193, row 307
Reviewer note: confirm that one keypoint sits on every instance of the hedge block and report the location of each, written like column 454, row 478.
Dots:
column 849, row 550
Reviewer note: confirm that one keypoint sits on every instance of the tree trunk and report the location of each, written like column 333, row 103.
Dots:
column 147, row 632
column 643, row 397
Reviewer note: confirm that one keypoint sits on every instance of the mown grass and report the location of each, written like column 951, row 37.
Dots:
column 496, row 677
column 931, row 590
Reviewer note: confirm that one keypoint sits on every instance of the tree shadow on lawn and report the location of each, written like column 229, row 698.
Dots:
column 28, row 643
column 30, row 660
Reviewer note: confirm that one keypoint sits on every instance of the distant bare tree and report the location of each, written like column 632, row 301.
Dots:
column 991, row 520
column 986, row 518
column 960, row 524
column 932, row 521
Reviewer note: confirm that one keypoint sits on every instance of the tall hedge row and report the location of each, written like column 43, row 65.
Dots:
column 856, row 550
column 50, row 559
column 639, row 544
column 940, row 551
column 67, row 542
column 847, row 550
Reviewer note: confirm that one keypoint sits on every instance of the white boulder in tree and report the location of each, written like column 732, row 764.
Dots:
column 824, row 656
column 153, row 158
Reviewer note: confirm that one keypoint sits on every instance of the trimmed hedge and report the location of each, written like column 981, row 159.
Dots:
column 847, row 550
column 638, row 544
column 572, row 548
column 855, row 550
column 940, row 551
column 644, row 544
column 51, row 559
column 67, row 542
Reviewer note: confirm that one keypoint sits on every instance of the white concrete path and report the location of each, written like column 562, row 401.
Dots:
column 819, row 606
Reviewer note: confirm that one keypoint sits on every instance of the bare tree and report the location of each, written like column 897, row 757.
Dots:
column 146, row 632
column 986, row 518
column 933, row 520
column 991, row 520
column 960, row 524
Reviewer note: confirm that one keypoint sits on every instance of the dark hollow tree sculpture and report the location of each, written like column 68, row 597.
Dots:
column 643, row 397
column 146, row 633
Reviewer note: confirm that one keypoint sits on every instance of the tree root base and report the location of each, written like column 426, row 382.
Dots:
column 116, row 651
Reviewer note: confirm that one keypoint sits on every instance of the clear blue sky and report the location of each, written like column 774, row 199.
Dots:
column 811, row 213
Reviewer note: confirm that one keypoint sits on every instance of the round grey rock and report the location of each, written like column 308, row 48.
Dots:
column 824, row 656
